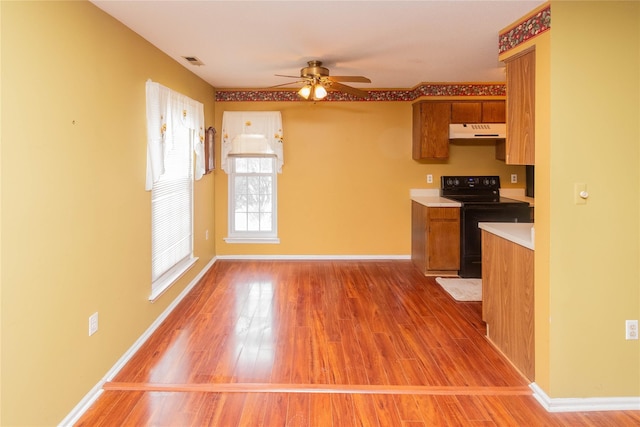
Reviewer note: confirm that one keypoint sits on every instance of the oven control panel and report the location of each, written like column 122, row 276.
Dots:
column 470, row 182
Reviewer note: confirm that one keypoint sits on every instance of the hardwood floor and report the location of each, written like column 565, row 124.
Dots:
column 324, row 343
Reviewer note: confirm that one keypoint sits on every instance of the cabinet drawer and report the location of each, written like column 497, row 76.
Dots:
column 443, row 213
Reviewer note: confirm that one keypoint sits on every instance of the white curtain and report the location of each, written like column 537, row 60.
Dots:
column 249, row 124
column 168, row 111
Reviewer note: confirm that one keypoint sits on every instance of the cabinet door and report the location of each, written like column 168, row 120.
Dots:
column 493, row 112
column 520, row 149
column 431, row 130
column 443, row 239
column 466, row 112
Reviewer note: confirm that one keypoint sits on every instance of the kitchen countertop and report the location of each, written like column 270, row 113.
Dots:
column 521, row 233
column 517, row 194
column 431, row 198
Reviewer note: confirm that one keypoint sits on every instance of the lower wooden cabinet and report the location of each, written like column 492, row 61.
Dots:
column 435, row 239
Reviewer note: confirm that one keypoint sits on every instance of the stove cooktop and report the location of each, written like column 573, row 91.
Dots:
column 470, row 190
column 475, row 199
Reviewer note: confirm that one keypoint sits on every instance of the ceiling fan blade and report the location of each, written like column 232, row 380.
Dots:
column 291, row 77
column 354, row 79
column 286, row 84
column 349, row 90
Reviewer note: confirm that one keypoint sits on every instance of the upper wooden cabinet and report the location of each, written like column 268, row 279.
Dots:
column 466, row 112
column 478, row 112
column 431, row 130
column 520, row 142
column 493, row 112
column 431, row 121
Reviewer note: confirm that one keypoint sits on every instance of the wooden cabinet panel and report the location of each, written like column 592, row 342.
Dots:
column 520, row 148
column 466, row 112
column 493, row 112
column 508, row 300
column 435, row 239
column 501, row 150
column 419, row 235
column 443, row 244
column 431, row 130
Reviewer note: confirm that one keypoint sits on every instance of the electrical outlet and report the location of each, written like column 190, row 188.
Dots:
column 631, row 330
column 429, row 179
column 206, row 235
column 93, row 323
column 514, row 178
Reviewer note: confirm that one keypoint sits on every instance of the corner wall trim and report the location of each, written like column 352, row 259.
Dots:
column 96, row 391
column 584, row 404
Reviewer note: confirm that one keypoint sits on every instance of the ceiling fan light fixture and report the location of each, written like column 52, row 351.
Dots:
column 319, row 92
column 305, row 91
column 317, row 81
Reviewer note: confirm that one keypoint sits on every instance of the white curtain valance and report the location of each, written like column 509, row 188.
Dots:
column 245, row 128
column 168, row 111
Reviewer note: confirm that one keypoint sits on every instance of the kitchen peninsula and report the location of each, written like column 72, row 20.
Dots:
column 508, row 291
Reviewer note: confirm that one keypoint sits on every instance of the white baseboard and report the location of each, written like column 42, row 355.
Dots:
column 317, row 257
column 579, row 404
column 96, row 391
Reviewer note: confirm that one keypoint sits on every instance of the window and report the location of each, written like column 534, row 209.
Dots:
column 172, row 214
column 252, row 200
column 175, row 132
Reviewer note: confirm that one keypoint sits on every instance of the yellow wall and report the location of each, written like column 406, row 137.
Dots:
column 594, row 248
column 75, row 217
column 587, row 273
column 344, row 187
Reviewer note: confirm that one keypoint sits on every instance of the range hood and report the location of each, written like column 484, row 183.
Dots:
column 477, row 131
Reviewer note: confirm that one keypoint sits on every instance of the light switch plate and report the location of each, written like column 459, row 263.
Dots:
column 579, row 188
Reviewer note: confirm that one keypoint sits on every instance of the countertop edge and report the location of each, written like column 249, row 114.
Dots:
column 521, row 233
column 436, row 202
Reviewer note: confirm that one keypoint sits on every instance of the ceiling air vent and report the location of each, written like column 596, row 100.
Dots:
column 193, row 60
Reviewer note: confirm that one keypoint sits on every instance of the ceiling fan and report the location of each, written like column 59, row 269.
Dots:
column 317, row 81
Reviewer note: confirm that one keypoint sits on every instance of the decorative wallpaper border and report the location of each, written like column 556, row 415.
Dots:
column 438, row 89
column 533, row 26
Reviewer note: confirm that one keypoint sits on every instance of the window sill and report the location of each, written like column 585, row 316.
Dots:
column 267, row 240
column 170, row 277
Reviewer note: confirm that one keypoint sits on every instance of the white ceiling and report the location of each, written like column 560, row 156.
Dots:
column 397, row 44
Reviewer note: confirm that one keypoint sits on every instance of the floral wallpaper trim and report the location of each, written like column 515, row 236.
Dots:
column 531, row 27
column 462, row 89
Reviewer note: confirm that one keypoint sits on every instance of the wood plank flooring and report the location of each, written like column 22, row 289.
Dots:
column 324, row 343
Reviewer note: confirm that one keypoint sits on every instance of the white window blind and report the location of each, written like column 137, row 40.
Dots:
column 172, row 209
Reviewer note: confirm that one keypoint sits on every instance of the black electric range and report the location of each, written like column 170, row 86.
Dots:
column 481, row 202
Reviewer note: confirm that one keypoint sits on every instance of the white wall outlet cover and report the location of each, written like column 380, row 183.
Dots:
column 631, row 329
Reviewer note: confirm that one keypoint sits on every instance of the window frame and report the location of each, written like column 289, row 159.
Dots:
column 236, row 236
